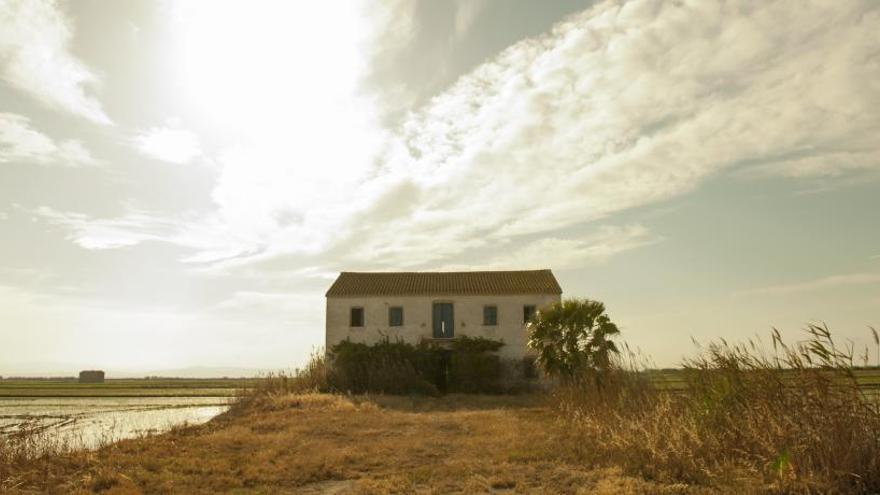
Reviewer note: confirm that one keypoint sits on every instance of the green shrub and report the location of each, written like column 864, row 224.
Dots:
column 469, row 365
column 385, row 367
column 473, row 366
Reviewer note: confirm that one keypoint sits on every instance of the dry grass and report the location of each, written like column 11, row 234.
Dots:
column 310, row 379
column 318, row 443
column 793, row 421
column 744, row 422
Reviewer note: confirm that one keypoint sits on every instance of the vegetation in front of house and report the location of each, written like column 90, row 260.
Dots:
column 572, row 337
column 467, row 365
column 391, row 367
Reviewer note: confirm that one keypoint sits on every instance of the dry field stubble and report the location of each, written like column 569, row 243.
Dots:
column 318, row 443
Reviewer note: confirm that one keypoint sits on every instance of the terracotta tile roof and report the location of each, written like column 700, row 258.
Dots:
column 444, row 283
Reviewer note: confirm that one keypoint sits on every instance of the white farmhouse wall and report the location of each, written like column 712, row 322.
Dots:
column 417, row 319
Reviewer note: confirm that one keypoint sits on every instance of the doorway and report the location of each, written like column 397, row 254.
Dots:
column 444, row 321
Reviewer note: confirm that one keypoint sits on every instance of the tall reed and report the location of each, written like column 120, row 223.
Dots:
column 313, row 377
column 794, row 419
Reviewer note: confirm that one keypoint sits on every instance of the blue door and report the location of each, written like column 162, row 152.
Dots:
column 444, row 321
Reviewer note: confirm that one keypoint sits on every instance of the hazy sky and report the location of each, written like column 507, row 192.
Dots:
column 181, row 181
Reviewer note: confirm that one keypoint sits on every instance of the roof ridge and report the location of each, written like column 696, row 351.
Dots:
column 457, row 271
column 477, row 282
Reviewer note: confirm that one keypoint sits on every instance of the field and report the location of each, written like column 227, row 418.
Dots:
column 325, row 443
column 318, row 443
column 673, row 379
column 159, row 387
column 63, row 411
column 734, row 422
column 668, row 379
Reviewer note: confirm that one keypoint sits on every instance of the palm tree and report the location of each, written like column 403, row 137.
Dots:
column 573, row 335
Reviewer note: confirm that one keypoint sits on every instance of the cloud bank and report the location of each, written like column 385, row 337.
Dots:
column 624, row 105
column 630, row 104
column 20, row 142
column 35, row 58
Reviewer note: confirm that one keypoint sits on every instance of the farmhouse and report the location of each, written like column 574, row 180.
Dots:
column 438, row 306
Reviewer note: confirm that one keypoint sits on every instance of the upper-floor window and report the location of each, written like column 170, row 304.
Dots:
column 395, row 316
column 490, row 315
column 528, row 313
column 357, row 317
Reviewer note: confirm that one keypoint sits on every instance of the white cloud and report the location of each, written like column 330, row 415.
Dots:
column 134, row 227
column 396, row 24
column 830, row 282
column 620, row 107
column 395, row 32
column 629, row 104
column 19, row 142
column 168, row 144
column 94, row 234
column 35, row 58
column 625, row 105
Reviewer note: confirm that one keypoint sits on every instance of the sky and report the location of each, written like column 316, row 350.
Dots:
column 181, row 181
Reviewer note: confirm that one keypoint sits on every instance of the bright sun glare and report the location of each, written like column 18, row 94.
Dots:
column 293, row 111
column 254, row 65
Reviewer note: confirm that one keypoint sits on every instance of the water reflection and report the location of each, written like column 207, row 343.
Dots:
column 89, row 422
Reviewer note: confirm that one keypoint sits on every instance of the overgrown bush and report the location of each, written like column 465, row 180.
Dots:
column 796, row 420
column 468, row 365
column 474, row 367
column 386, row 367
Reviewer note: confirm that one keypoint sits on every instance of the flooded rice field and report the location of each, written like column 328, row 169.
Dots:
column 89, row 422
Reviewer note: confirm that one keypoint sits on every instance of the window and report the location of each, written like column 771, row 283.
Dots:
column 528, row 313
column 490, row 315
column 395, row 316
column 357, row 317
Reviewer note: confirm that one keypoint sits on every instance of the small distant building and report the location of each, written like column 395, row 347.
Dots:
column 438, row 306
column 91, row 376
